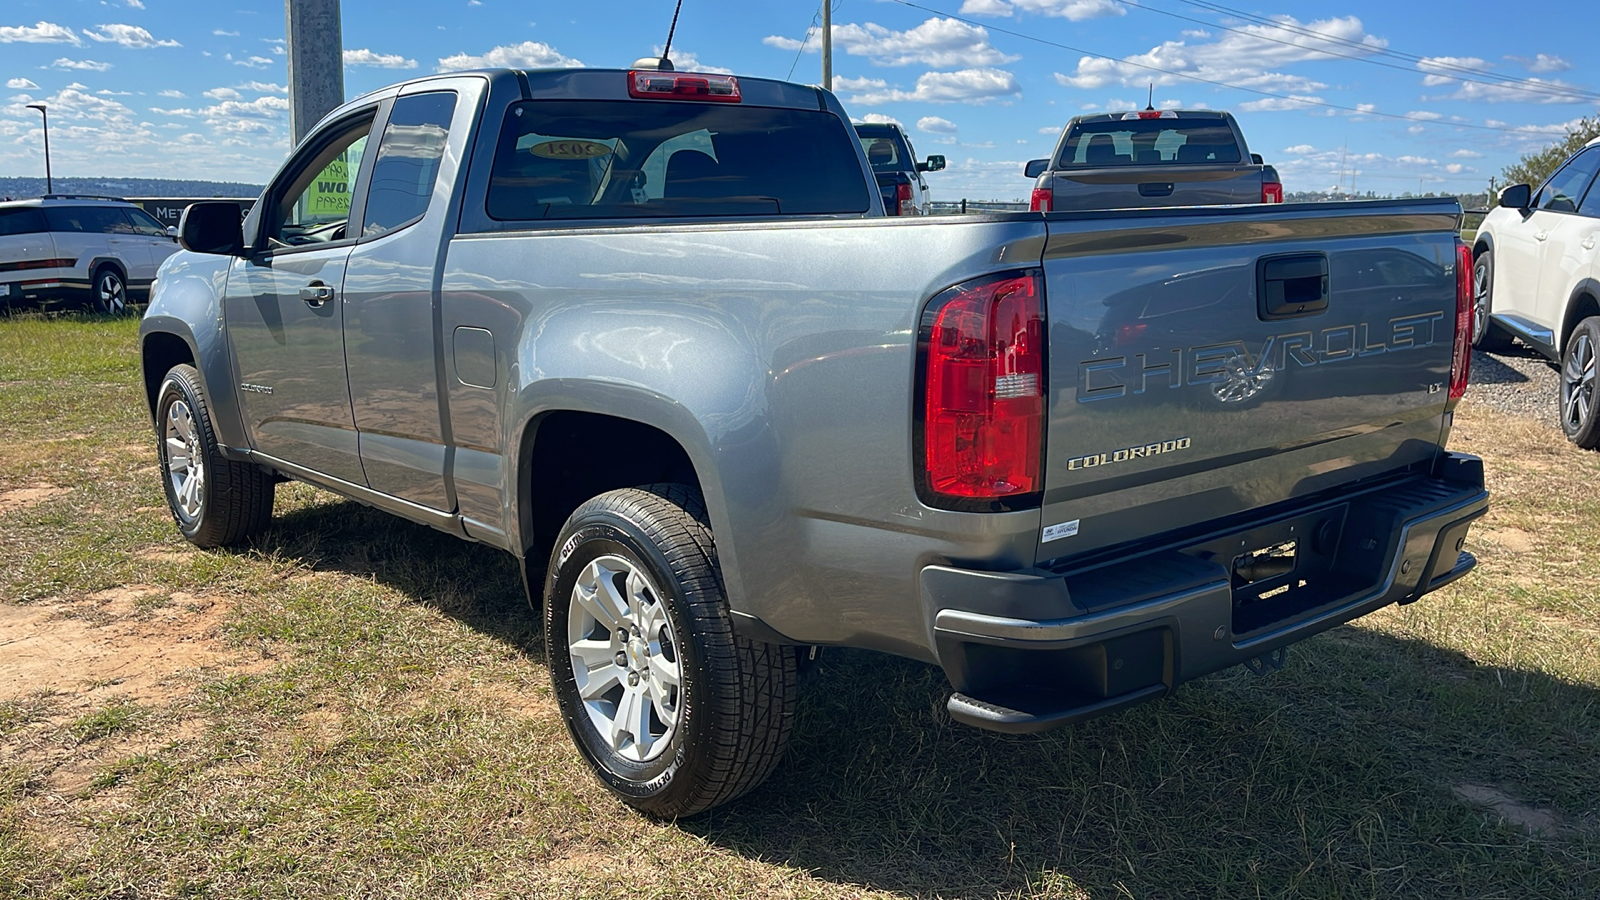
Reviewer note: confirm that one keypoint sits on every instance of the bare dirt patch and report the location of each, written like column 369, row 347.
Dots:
column 1526, row 816
column 1514, row 539
column 23, row 498
column 50, row 647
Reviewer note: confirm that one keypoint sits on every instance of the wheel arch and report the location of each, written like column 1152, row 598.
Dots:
column 100, row 262
column 1583, row 303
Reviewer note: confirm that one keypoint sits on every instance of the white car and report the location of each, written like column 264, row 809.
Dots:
column 65, row 247
column 1537, row 278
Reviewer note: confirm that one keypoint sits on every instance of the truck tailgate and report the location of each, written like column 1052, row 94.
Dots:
column 1117, row 187
column 1198, row 367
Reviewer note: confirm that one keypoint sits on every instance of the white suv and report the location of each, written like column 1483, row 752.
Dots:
column 1537, row 278
column 63, row 247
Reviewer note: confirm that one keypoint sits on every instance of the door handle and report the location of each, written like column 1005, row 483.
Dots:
column 1588, row 243
column 316, row 294
column 1541, row 235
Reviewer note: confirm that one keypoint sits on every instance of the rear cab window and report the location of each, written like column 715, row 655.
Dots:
column 885, row 149
column 1145, row 142
column 561, row 159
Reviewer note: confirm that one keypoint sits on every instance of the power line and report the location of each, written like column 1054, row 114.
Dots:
column 1520, row 84
column 1304, row 101
column 1434, row 65
column 803, row 41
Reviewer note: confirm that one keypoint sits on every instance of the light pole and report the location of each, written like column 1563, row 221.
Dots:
column 49, row 186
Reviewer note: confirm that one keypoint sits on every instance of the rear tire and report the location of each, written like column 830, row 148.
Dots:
column 1486, row 335
column 214, row 500
column 1580, row 385
column 110, row 291
column 674, row 711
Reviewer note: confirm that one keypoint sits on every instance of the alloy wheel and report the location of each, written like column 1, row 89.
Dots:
column 625, row 657
column 1480, row 299
column 186, row 467
column 111, row 294
column 1578, row 383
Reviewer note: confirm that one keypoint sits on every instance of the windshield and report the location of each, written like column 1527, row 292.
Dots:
column 561, row 159
column 1148, row 142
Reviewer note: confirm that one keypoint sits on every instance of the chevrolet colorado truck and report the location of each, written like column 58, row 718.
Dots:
column 651, row 333
column 1151, row 158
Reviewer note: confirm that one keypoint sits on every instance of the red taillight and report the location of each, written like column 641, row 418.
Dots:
column 902, row 201
column 683, row 86
column 1040, row 200
column 983, row 407
column 1271, row 192
column 1461, row 354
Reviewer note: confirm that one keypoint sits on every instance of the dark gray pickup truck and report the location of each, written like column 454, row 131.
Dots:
column 1151, row 158
column 652, row 334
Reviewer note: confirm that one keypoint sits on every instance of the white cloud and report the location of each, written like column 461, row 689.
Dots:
column 940, row 43
column 936, row 125
column 262, row 87
column 687, row 61
column 41, row 33
column 87, row 65
column 365, row 57
column 878, row 119
column 1071, row 10
column 1542, row 63
column 985, row 8
column 181, row 111
column 223, row 93
column 220, row 33
column 1466, row 154
column 175, row 94
column 1424, row 115
column 128, row 36
column 254, row 62
column 1279, row 104
column 526, row 55
column 1300, row 149
column 21, row 84
column 1052, row 129
column 135, row 4
column 1459, row 169
column 975, row 86
column 1244, row 58
column 107, row 92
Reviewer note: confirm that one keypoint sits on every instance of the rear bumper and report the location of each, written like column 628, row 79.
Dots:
column 1029, row 652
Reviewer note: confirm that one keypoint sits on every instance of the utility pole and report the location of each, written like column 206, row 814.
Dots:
column 316, row 62
column 827, row 45
column 49, row 185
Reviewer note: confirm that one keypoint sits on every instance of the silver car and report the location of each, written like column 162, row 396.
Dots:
column 64, row 247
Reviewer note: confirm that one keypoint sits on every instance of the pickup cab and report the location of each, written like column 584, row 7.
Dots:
column 896, row 168
column 1151, row 158
column 636, row 328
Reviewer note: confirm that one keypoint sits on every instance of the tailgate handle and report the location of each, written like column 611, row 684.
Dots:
column 1156, row 189
column 1291, row 286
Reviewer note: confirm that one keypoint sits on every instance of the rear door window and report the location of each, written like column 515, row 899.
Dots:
column 1143, row 142
column 559, row 159
column 407, row 164
column 20, row 221
column 88, row 219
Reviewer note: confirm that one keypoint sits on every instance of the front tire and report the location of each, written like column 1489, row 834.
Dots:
column 674, row 711
column 1580, row 390
column 1485, row 334
column 214, row 500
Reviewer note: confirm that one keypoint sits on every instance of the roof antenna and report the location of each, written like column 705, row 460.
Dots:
column 666, row 64
column 1151, row 105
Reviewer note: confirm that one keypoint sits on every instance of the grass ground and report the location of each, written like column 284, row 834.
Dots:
column 354, row 706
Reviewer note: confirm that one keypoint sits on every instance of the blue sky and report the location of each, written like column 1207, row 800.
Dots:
column 183, row 89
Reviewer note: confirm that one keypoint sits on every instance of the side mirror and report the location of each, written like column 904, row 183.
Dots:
column 1517, row 196
column 1256, row 158
column 172, row 231
column 1035, row 167
column 211, row 227
column 935, row 163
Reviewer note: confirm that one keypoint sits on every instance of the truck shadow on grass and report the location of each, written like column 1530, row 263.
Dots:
column 1370, row 766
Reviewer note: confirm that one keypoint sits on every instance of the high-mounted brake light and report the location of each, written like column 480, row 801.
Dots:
column 683, row 86
column 983, row 391
column 1040, row 200
column 1461, row 353
column 1150, row 114
column 1271, row 192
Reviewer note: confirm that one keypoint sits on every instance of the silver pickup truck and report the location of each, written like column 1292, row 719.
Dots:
column 651, row 333
column 1151, row 158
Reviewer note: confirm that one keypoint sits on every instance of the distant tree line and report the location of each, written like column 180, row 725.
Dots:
column 18, row 188
column 1533, row 168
